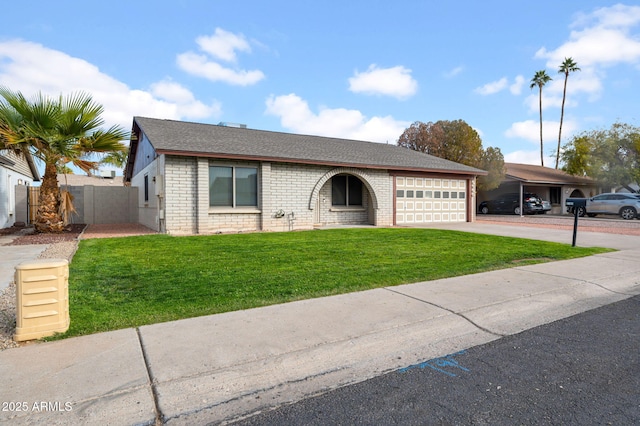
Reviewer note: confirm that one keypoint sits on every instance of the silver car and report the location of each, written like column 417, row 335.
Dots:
column 623, row 204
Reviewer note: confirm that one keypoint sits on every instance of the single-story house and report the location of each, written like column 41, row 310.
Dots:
column 201, row 179
column 634, row 186
column 14, row 170
column 549, row 184
column 101, row 179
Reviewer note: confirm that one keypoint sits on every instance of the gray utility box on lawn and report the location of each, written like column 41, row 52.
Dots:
column 42, row 298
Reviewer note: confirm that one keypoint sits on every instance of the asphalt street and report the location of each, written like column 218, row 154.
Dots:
column 582, row 370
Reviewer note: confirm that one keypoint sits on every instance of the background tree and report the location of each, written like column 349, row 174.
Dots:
column 540, row 79
column 611, row 156
column 57, row 131
column 456, row 141
column 453, row 140
column 492, row 161
column 568, row 66
column 115, row 159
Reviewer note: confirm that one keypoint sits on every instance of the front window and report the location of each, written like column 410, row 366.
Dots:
column 233, row 186
column 146, row 188
column 246, row 186
column 346, row 191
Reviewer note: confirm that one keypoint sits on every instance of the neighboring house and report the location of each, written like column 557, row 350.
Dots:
column 102, row 198
column 201, row 179
column 549, row 184
column 633, row 186
column 14, row 170
column 105, row 179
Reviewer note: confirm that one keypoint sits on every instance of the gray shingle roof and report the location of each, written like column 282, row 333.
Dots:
column 194, row 139
column 538, row 174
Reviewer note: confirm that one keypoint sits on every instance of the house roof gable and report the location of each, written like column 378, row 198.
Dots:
column 83, row 180
column 194, row 139
column 21, row 163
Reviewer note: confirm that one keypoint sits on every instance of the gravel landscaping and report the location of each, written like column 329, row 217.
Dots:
column 60, row 246
column 606, row 224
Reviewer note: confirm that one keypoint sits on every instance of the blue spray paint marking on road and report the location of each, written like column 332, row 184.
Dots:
column 438, row 364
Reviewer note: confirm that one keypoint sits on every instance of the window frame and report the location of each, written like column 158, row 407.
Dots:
column 348, row 187
column 146, row 188
column 234, row 206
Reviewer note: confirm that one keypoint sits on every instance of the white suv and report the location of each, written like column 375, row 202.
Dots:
column 623, row 204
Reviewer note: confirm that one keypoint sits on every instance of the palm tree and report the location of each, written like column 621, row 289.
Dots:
column 540, row 79
column 567, row 67
column 57, row 131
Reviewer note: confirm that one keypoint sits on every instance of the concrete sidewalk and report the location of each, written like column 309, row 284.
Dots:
column 12, row 256
column 215, row 368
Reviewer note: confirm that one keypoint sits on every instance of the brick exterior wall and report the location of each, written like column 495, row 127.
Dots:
column 301, row 192
column 180, row 195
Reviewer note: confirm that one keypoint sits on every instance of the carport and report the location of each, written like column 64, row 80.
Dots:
column 549, row 184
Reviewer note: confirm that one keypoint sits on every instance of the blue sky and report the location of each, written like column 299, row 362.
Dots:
column 351, row 69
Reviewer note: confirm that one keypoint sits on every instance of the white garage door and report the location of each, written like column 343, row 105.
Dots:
column 427, row 200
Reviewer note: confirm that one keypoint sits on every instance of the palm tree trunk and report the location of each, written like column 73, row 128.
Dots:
column 564, row 95
column 541, row 148
column 48, row 218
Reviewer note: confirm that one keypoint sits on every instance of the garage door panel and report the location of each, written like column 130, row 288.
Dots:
column 425, row 200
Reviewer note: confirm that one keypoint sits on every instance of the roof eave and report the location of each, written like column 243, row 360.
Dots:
column 32, row 166
column 133, row 147
column 547, row 182
column 316, row 162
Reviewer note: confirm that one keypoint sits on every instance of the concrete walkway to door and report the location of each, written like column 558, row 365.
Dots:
column 12, row 256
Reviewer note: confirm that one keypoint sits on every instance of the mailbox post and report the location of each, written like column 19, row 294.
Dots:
column 576, row 204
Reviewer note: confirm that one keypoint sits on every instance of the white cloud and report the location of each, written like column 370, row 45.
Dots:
column 601, row 39
column 396, row 82
column 587, row 81
column 516, row 86
column 187, row 103
column 454, row 72
column 223, row 46
column 295, row 115
column 618, row 15
column 199, row 65
column 530, row 130
column 532, row 101
column 493, row 87
column 593, row 46
column 21, row 70
column 529, row 157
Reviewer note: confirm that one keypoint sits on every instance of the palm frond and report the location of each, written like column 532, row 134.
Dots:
column 66, row 206
column 58, row 131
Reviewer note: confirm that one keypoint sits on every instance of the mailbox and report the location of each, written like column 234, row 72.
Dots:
column 576, row 202
column 577, row 206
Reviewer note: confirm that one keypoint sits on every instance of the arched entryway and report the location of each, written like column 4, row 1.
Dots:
column 344, row 196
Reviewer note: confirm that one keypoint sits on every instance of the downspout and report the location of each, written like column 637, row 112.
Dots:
column 471, row 200
column 394, row 199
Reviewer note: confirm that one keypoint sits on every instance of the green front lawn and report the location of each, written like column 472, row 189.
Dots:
column 127, row 282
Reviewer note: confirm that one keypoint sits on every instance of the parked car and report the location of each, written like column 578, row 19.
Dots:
column 625, row 205
column 546, row 206
column 508, row 203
